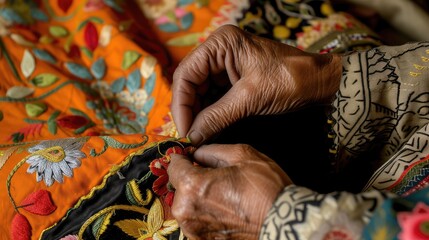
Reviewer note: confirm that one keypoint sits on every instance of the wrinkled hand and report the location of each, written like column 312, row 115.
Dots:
column 267, row 77
column 230, row 196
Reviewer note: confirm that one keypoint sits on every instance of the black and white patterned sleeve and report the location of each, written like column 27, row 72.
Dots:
column 302, row 214
column 381, row 103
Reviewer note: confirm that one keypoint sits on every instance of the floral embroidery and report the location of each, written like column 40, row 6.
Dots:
column 161, row 186
column 414, row 225
column 168, row 15
column 53, row 159
column 155, row 227
column 333, row 220
column 154, row 9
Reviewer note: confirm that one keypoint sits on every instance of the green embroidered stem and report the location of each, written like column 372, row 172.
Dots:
column 45, row 95
column 145, row 177
column 88, row 222
column 12, row 144
column 9, row 178
column 9, row 61
column 111, row 142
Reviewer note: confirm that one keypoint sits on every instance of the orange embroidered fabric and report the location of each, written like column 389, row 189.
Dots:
column 81, row 82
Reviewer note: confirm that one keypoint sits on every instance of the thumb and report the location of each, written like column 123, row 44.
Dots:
column 230, row 108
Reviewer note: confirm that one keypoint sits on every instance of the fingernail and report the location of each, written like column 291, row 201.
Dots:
column 195, row 137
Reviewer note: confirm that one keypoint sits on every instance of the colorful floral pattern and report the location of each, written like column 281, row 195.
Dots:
column 53, row 159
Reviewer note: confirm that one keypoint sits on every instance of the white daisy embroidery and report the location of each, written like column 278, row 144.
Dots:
column 53, row 159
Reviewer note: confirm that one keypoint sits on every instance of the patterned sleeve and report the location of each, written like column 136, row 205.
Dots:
column 381, row 120
column 381, row 103
column 300, row 213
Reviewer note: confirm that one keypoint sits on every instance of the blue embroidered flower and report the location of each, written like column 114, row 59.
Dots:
column 53, row 159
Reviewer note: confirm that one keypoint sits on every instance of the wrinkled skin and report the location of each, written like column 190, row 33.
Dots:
column 229, row 193
column 230, row 196
column 267, row 77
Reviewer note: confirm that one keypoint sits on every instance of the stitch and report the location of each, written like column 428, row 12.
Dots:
column 90, row 220
column 111, row 142
column 419, row 67
column 425, row 59
column 43, row 96
column 9, row 60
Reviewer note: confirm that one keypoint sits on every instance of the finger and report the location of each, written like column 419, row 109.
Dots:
column 213, row 56
column 223, row 155
column 179, row 166
column 236, row 104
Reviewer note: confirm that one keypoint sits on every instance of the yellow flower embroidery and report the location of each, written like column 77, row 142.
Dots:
column 155, row 227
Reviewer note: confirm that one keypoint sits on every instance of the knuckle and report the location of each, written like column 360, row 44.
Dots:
column 244, row 149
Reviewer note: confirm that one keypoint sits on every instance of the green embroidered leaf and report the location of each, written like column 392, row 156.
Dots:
column 169, row 27
column 100, row 225
column 186, row 40
column 44, row 55
column 58, row 31
column 44, row 80
column 52, row 123
column 187, row 20
column 79, row 113
column 28, row 64
column 130, row 57
column 87, row 52
column 35, row 109
column 147, row 66
column 39, row 15
column 84, row 128
column 98, row 68
column 134, row 196
column 92, row 19
column 11, row 16
column 18, row 92
column 134, row 81
column 118, row 85
column 1, row 115
column 78, row 70
column 150, row 84
column 33, row 121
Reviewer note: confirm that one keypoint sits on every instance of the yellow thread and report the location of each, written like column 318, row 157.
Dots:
column 331, row 136
column 111, row 173
column 330, row 121
column 419, row 67
column 88, row 222
column 414, row 74
column 333, row 151
column 102, row 185
column 425, row 59
column 53, row 154
column 427, row 51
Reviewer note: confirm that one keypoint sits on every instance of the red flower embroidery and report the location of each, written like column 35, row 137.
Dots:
column 91, row 36
column 72, row 121
column 161, row 186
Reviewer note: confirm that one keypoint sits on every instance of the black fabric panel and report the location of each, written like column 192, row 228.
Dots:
column 113, row 193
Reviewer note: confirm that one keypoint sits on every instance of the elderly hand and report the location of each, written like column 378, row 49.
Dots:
column 230, row 196
column 267, row 77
